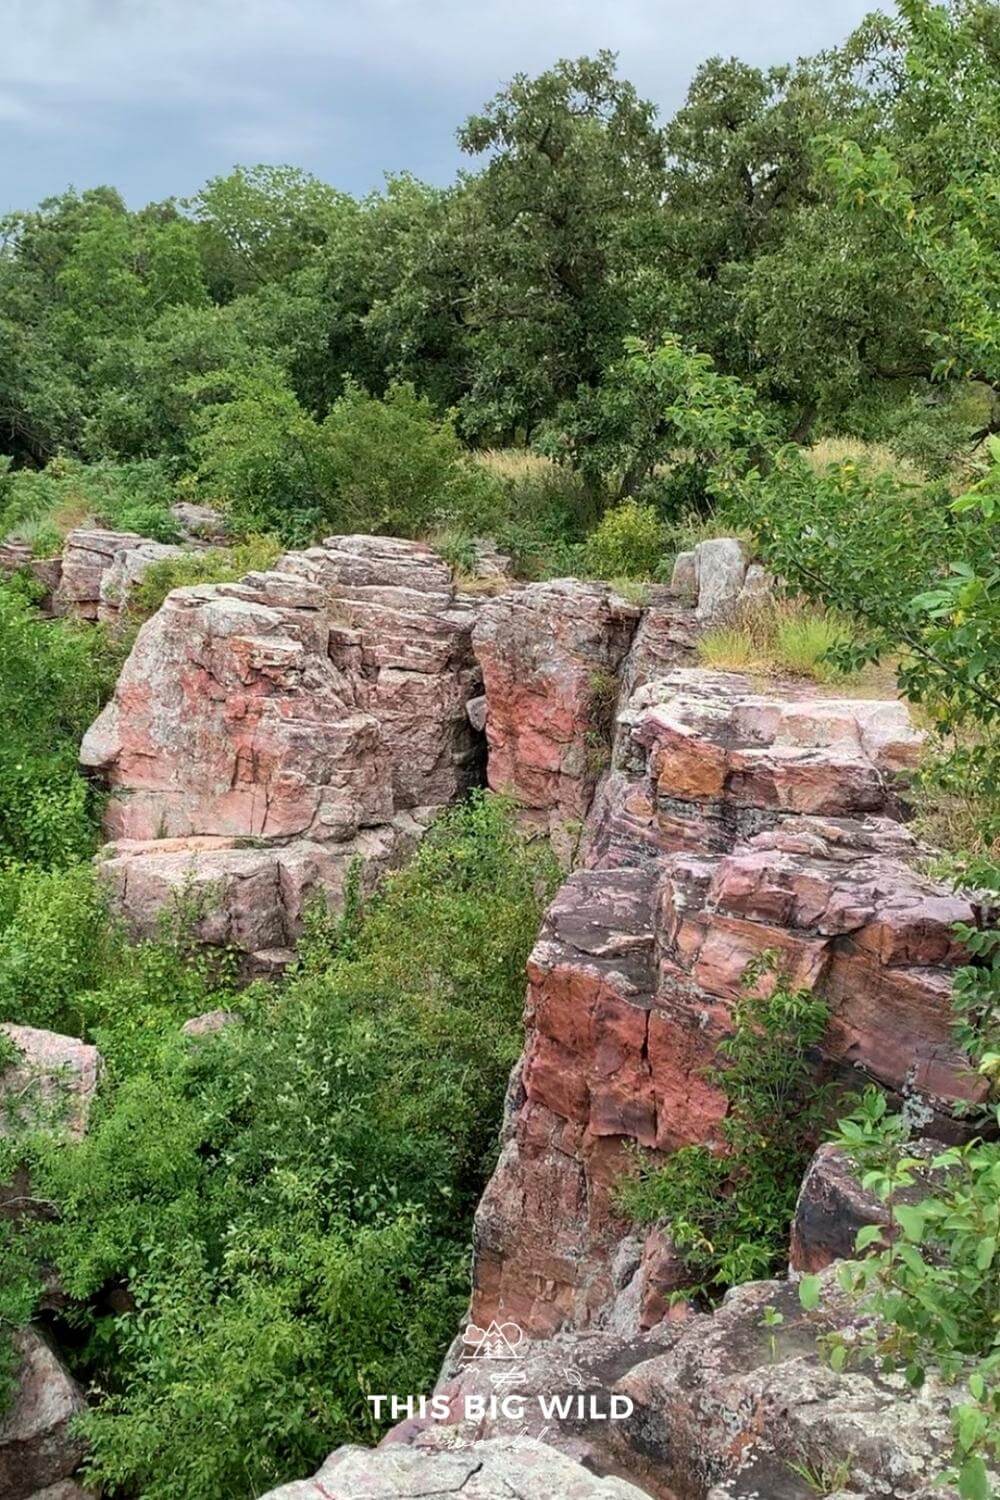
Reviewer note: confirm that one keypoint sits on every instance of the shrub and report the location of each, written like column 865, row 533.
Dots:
column 42, row 505
column 778, row 635
column 53, row 680
column 628, row 543
column 728, row 1214
column 291, row 1201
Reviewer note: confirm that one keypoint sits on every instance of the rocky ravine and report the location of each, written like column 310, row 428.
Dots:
column 264, row 735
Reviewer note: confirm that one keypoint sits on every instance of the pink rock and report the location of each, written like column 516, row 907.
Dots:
column 37, row 1447
column 88, row 554
column 52, row 1083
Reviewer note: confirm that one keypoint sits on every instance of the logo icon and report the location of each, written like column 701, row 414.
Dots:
column 497, row 1341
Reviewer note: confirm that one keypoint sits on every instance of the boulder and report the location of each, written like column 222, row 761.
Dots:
column 51, row 1084
column 832, row 1206
column 17, row 557
column 550, row 656
column 210, row 1023
column 498, row 1469
column 721, row 568
column 280, row 728
column 199, row 523
column 684, row 578
column 37, row 1448
column 88, row 554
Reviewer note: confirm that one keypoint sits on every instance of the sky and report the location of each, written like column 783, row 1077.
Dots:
column 156, row 96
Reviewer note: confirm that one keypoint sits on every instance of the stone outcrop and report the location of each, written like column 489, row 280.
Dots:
column 18, row 557
column 37, row 1448
column 51, row 1083
column 500, row 1469
column 281, row 728
column 718, row 578
column 733, row 822
column 88, row 554
column 550, row 656
column 128, row 566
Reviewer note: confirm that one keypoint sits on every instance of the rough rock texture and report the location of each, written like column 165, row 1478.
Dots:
column 499, row 1469
column 51, row 1085
column 734, row 1403
column 296, row 720
column 36, row 1447
column 733, row 822
column 717, row 578
column 128, row 566
column 199, row 523
column 550, row 655
column 66, row 1489
column 832, row 1206
column 88, row 554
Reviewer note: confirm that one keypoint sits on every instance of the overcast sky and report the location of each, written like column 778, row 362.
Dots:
column 155, row 96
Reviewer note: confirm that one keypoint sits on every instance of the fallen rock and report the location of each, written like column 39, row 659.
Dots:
column 129, row 565
column 832, row 1206
column 200, row 523
column 36, row 1446
column 550, row 655
column 498, row 1469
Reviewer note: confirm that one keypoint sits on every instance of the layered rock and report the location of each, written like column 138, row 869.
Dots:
column 734, row 822
column 128, row 567
column 37, row 1447
column 550, row 657
column 296, row 721
column 88, row 554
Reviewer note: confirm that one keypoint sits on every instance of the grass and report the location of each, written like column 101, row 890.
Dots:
column 773, row 636
column 878, row 457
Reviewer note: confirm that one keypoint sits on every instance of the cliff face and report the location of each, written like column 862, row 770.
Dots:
column 733, row 820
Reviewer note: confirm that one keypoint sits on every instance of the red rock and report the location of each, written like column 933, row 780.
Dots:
column 88, row 555
column 550, row 655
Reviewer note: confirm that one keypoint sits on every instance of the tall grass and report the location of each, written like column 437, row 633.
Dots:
column 777, row 635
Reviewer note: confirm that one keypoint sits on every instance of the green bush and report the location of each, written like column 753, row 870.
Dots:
column 42, row 505
column 291, row 1201
column 216, row 565
column 53, row 680
column 628, row 543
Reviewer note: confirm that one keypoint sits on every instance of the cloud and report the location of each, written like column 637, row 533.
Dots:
column 158, row 94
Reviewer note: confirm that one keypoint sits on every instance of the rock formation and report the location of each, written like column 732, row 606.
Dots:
column 734, row 821
column 550, row 656
column 266, row 734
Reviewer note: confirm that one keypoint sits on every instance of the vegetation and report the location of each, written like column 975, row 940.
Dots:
column 290, row 1199
column 728, row 1211
column 772, row 635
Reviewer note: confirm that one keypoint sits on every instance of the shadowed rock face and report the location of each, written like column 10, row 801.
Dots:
column 282, row 727
column 733, row 821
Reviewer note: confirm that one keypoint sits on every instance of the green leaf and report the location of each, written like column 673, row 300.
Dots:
column 869, row 1234
column 809, row 1289
column 911, row 1222
column 973, row 1480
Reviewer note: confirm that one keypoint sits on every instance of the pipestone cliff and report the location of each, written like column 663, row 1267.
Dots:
column 267, row 736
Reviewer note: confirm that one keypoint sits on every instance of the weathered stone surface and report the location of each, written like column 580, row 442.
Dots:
column 498, row 1469
column 17, row 557
column 36, row 1446
column 210, row 1023
column 250, row 898
column 736, row 1403
column 684, row 578
column 721, row 567
column 129, row 565
column 199, row 522
column 66, row 1489
column 51, row 1085
column 733, row 823
column 88, row 554
column 550, row 655
column 296, row 720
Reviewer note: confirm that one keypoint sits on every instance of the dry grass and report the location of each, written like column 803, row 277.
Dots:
column 876, row 456
column 517, row 464
column 777, row 637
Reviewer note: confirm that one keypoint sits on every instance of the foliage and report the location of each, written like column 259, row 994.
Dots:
column 628, row 543
column 930, row 1277
column 49, row 502
column 53, row 679
column 778, row 635
column 728, row 1212
column 290, row 1199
